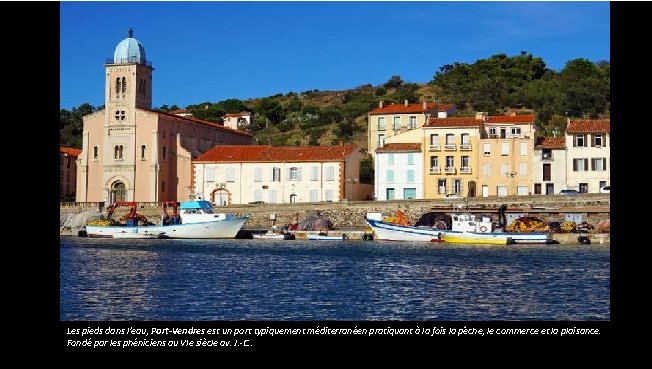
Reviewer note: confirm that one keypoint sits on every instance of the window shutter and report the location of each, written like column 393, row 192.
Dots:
column 299, row 173
column 574, row 165
column 604, row 163
column 287, row 174
column 592, row 139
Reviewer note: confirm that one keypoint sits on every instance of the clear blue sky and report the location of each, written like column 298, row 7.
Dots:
column 212, row 51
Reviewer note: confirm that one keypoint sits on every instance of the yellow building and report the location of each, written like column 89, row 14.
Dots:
column 505, row 155
column 390, row 120
column 450, row 156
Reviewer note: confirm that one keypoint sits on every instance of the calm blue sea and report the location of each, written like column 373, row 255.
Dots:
column 220, row 280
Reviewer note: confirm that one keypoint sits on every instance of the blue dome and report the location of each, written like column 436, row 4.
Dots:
column 129, row 50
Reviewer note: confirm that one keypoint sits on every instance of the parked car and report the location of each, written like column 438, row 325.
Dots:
column 257, row 202
column 605, row 189
column 569, row 192
column 452, row 196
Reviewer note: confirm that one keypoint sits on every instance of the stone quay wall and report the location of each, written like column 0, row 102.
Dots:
column 593, row 208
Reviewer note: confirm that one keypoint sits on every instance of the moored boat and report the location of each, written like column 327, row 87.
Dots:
column 325, row 237
column 463, row 225
column 195, row 219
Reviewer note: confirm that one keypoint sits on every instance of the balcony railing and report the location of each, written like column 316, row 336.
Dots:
column 435, row 170
column 450, row 147
column 449, row 170
column 435, row 148
column 465, row 170
column 465, row 147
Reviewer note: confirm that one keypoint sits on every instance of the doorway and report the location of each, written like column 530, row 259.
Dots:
column 118, row 192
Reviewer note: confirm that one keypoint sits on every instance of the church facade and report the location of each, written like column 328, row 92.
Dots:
column 133, row 153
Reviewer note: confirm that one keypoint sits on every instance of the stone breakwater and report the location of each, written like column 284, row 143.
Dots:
column 592, row 207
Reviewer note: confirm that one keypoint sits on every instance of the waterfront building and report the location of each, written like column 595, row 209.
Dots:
column 450, row 148
column 265, row 174
column 399, row 171
column 68, row 172
column 588, row 159
column 505, row 155
column 133, row 153
column 390, row 120
column 549, row 165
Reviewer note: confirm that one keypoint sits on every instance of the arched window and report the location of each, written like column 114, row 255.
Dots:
column 143, row 149
column 164, row 153
column 117, row 85
column 117, row 152
column 96, row 152
column 124, row 85
column 118, row 192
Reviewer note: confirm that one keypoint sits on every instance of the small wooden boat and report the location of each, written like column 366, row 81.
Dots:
column 273, row 236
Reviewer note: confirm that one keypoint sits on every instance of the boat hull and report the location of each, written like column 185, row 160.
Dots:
column 396, row 232
column 226, row 228
column 478, row 238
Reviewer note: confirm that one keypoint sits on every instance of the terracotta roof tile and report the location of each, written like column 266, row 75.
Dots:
column 550, row 143
column 514, row 119
column 393, row 147
column 589, row 126
column 259, row 153
column 70, row 151
column 453, row 122
column 411, row 108
column 204, row 122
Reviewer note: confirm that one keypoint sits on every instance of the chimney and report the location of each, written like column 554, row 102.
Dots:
column 424, row 105
column 479, row 116
column 406, row 103
column 513, row 114
column 380, row 104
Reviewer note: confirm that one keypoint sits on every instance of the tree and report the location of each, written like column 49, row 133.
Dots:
column 208, row 111
column 393, row 82
column 270, row 110
column 71, row 125
column 232, row 105
column 366, row 170
column 586, row 88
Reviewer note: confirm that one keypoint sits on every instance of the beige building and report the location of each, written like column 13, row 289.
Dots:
column 133, row 153
column 505, row 155
column 237, row 120
column 588, row 154
column 68, row 172
column 390, row 120
column 549, row 165
column 254, row 174
column 450, row 148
